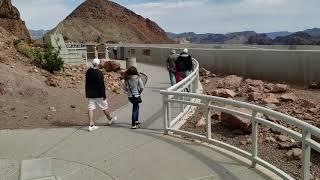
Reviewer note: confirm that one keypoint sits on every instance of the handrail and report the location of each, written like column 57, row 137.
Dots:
column 187, row 99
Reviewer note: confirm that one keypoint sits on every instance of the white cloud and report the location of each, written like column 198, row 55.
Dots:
column 192, row 15
column 45, row 14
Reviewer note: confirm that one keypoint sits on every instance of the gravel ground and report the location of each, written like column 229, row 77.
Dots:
column 268, row 151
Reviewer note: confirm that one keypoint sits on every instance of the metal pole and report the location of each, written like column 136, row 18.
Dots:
column 169, row 113
column 165, row 114
column 306, row 152
column 255, row 134
column 208, row 120
column 181, row 104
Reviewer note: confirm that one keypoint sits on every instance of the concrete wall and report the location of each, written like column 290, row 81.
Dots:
column 294, row 66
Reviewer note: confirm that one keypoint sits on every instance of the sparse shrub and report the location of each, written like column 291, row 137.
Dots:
column 37, row 57
column 47, row 58
column 23, row 48
column 51, row 59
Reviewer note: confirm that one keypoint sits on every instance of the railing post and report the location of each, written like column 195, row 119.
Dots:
column 181, row 104
column 255, row 134
column 208, row 119
column 306, row 152
column 169, row 113
column 197, row 81
column 165, row 113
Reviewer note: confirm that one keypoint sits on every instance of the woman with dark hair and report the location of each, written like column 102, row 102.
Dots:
column 133, row 85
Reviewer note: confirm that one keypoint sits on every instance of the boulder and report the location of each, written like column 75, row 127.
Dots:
column 289, row 97
column 307, row 104
column 255, row 83
column 277, row 88
column 294, row 154
column 308, row 116
column 314, row 85
column 204, row 72
column 226, row 93
column 206, row 81
column 287, row 145
column 231, row 82
column 255, row 96
column 271, row 99
column 271, row 106
column 234, row 122
column 112, row 66
column 201, row 122
column 216, row 116
column 271, row 140
column 52, row 81
column 283, row 138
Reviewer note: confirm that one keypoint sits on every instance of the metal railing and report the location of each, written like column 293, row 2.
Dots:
column 175, row 95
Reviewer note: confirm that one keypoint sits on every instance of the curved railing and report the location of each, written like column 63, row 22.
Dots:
column 175, row 96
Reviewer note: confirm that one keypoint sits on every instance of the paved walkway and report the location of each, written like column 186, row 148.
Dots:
column 116, row 152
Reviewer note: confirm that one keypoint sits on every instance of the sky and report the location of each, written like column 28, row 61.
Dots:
column 200, row 16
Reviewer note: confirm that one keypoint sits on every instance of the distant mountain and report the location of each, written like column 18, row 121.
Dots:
column 239, row 37
column 273, row 35
column 298, row 38
column 307, row 37
column 260, row 39
column 315, row 32
column 211, row 38
column 36, row 34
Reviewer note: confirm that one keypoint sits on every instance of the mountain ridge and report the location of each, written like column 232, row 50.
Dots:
column 106, row 21
column 252, row 37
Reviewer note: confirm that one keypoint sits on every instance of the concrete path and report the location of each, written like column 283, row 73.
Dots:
column 116, row 152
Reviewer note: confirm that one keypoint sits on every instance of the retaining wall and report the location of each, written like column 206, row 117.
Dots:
column 293, row 66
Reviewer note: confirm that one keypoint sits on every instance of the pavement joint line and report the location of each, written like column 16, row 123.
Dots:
column 199, row 178
column 134, row 148
column 61, row 141
column 87, row 166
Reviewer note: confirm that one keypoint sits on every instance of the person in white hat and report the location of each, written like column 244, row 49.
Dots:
column 96, row 93
column 184, row 64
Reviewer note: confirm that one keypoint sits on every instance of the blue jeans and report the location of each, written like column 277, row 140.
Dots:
column 172, row 78
column 135, row 113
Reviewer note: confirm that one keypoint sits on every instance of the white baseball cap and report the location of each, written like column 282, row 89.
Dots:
column 96, row 62
column 185, row 50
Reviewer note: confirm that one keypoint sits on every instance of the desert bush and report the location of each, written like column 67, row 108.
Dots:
column 23, row 48
column 51, row 60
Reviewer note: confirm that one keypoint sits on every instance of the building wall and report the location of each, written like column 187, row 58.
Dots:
column 294, row 66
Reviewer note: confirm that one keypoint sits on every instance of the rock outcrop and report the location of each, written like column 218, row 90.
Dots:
column 11, row 21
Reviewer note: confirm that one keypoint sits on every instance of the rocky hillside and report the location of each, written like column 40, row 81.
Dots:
column 11, row 21
column 106, row 21
column 30, row 97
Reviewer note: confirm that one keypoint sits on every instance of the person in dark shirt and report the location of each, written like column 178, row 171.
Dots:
column 171, row 67
column 184, row 64
column 96, row 93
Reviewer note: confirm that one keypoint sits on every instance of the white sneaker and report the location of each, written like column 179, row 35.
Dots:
column 93, row 128
column 134, row 127
column 112, row 120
